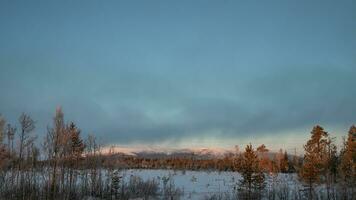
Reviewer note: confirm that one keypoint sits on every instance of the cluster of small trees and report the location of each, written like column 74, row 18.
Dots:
column 253, row 165
column 28, row 174
column 321, row 165
column 64, row 166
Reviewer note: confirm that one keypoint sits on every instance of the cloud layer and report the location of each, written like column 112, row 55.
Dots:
column 176, row 71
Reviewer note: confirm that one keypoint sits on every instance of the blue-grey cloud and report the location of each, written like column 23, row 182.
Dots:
column 158, row 71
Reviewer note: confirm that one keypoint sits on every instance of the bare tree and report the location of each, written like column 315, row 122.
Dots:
column 27, row 125
column 3, row 153
column 93, row 162
column 10, row 133
column 2, row 128
column 53, row 145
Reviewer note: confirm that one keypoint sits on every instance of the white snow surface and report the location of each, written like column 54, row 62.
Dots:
column 200, row 184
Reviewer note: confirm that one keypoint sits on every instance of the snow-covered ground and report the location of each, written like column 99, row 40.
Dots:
column 200, row 184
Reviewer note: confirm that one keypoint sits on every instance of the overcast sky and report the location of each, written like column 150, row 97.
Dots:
column 213, row 73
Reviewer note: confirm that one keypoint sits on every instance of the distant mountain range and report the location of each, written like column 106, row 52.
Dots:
column 159, row 152
column 154, row 152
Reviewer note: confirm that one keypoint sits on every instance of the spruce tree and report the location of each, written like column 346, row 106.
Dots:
column 77, row 145
column 76, row 148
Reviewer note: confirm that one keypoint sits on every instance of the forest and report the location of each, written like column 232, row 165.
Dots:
column 64, row 165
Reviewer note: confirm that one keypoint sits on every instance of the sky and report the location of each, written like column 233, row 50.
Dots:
column 182, row 73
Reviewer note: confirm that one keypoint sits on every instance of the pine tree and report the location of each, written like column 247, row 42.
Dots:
column 314, row 164
column 252, row 176
column 347, row 167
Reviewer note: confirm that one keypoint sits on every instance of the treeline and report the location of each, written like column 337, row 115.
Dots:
column 279, row 162
column 66, row 166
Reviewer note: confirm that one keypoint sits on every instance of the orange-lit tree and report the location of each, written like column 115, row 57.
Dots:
column 314, row 161
column 253, row 179
column 347, row 167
